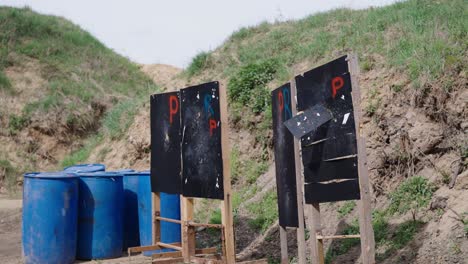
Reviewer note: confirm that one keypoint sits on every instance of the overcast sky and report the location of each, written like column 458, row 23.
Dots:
column 173, row 31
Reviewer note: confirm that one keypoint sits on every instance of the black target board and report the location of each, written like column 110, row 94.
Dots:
column 329, row 154
column 202, row 173
column 284, row 157
column 165, row 143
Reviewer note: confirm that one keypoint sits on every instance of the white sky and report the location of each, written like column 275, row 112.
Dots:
column 173, row 31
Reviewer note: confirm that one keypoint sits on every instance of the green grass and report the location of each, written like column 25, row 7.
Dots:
column 265, row 212
column 422, row 38
column 5, row 84
column 79, row 69
column 346, row 208
column 199, row 63
column 120, row 117
column 413, row 194
column 399, row 238
column 82, row 154
column 235, row 164
column 343, row 246
column 16, row 123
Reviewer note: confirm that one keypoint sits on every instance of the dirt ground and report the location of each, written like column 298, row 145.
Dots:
column 10, row 236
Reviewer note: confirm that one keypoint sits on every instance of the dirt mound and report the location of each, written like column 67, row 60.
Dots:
column 164, row 75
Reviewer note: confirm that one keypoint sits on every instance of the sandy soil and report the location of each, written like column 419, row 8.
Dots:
column 10, row 236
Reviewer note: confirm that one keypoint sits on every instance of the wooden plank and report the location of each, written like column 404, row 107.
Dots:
column 171, row 246
column 156, row 212
column 301, row 244
column 191, row 223
column 175, row 254
column 188, row 232
column 168, row 220
column 168, row 261
column 142, row 248
column 338, row 237
column 284, row 245
column 315, row 229
column 258, row 261
column 226, row 205
column 364, row 205
column 206, row 251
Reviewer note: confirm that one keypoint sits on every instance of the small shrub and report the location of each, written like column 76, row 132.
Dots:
column 216, row 217
column 412, row 195
column 16, row 123
column 380, row 226
column 346, row 208
column 248, row 85
column 199, row 63
column 405, row 233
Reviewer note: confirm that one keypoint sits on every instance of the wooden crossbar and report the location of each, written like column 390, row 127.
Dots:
column 178, row 254
column 338, row 236
column 168, row 261
column 171, row 246
column 164, row 219
column 191, row 223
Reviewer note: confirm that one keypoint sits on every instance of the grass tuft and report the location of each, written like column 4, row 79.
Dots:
column 412, row 195
column 265, row 212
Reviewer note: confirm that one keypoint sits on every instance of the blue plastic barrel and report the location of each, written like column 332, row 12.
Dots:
column 100, row 215
column 170, row 208
column 131, row 182
column 85, row 168
column 49, row 229
column 145, row 212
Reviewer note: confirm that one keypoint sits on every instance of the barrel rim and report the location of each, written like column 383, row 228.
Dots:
column 50, row 175
column 94, row 167
column 99, row 174
column 137, row 173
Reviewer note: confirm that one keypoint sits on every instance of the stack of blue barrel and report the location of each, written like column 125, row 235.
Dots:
column 85, row 212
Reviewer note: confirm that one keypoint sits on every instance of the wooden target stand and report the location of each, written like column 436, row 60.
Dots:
column 186, row 252
column 316, row 238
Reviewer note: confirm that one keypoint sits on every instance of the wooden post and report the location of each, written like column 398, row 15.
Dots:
column 301, row 244
column 316, row 245
column 188, row 232
column 284, row 245
column 364, row 205
column 156, row 201
column 226, row 205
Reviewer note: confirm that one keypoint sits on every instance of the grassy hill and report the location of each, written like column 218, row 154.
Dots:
column 60, row 86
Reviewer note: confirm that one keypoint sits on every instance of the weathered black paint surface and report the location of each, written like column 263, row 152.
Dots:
column 165, row 143
column 318, row 170
column 309, row 121
column 201, row 142
column 284, row 157
column 331, row 192
column 329, row 153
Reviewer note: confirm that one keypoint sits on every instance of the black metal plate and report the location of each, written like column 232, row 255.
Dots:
column 284, row 157
column 165, row 143
column 201, row 142
column 309, row 121
column 332, row 192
